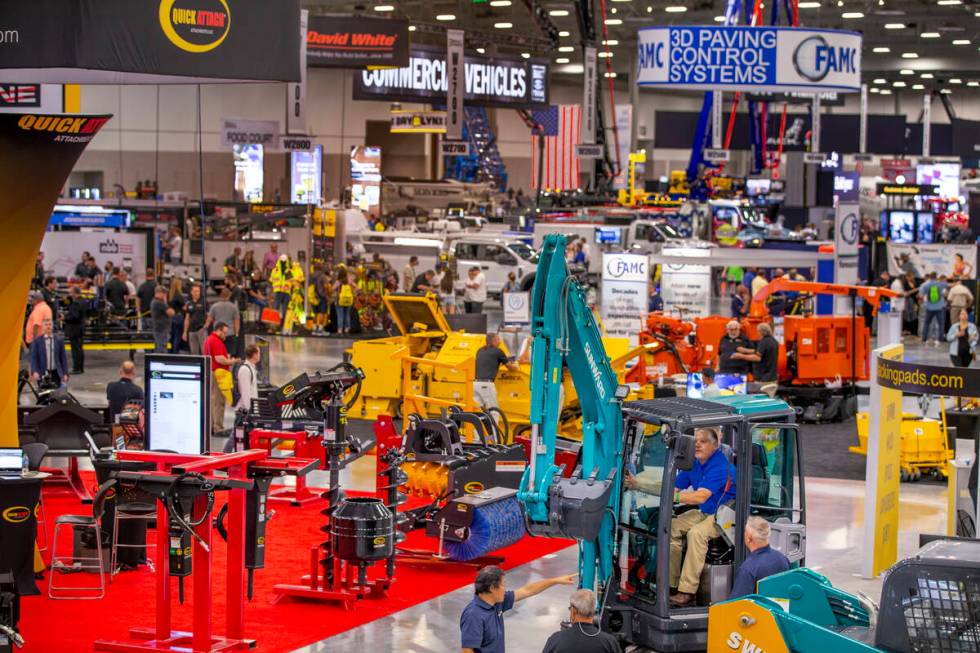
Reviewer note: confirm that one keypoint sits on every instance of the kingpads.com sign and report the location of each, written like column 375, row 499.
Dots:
column 770, row 59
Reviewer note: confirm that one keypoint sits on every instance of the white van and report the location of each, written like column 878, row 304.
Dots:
column 496, row 257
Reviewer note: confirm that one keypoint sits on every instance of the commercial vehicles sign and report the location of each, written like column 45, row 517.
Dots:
column 775, row 59
column 488, row 81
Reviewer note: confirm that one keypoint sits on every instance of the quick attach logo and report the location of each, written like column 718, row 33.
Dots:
column 17, row 514
column 195, row 26
column 473, row 487
column 69, row 129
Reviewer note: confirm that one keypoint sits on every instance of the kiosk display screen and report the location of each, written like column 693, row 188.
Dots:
column 176, row 405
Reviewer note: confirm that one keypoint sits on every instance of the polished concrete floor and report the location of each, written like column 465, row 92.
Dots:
column 835, row 539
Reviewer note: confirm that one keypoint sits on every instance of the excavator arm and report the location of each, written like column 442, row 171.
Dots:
column 870, row 294
column 565, row 334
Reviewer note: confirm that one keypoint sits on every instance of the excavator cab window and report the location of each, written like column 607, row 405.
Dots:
column 645, row 467
column 777, row 486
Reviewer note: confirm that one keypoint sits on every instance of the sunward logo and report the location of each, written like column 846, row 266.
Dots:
column 814, row 59
column 195, row 26
column 617, row 268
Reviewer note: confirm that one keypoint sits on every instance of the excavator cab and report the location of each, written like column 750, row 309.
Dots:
column 758, row 436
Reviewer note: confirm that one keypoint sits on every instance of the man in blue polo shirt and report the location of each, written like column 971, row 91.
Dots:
column 710, row 482
column 762, row 560
column 482, row 622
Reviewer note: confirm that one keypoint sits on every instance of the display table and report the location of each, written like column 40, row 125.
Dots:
column 19, row 499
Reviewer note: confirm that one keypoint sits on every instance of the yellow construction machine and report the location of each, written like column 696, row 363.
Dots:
column 926, row 447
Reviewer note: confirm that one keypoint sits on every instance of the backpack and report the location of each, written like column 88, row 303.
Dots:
column 236, row 391
column 346, row 296
column 934, row 294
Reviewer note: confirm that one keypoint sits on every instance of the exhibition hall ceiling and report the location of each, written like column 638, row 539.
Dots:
column 929, row 44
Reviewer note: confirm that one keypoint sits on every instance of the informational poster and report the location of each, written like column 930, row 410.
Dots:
column 517, row 307
column 625, row 294
column 177, row 399
column 882, row 468
column 686, row 288
column 306, row 176
column 249, row 173
column 365, row 175
column 777, row 59
column 939, row 258
column 125, row 249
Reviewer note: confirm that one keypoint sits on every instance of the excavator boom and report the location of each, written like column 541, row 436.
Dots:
column 870, row 294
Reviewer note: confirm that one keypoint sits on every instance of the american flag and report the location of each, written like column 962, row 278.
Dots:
column 562, row 132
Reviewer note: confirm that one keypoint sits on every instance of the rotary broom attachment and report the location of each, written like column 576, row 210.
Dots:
column 473, row 485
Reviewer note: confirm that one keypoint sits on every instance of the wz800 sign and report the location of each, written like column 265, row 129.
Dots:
column 771, row 59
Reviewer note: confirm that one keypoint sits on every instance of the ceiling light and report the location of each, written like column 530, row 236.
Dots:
column 809, row 5
column 384, row 8
column 973, row 83
column 609, row 75
column 852, row 14
column 926, row 75
column 880, row 80
column 564, row 33
column 503, row 25
column 961, row 42
column 949, row 3
column 613, row 21
column 411, row 28
column 909, row 55
column 446, row 17
column 605, row 55
column 621, row 0
column 526, row 55
column 917, row 87
column 929, row 35
column 956, row 80
column 840, row 3
column 561, row 60
column 499, row 3
column 649, row 10
column 886, row 91
column 611, row 42
column 906, row 71
column 899, row 84
column 613, row 10
column 894, row 25
column 881, row 49
column 675, row 9
column 719, row 19
column 875, row 89
column 481, row 50
column 566, row 48
column 558, row 13
column 945, row 91
column 573, row 68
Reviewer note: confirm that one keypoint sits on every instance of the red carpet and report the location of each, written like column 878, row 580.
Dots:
column 72, row 625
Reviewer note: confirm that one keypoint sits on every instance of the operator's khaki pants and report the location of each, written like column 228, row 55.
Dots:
column 485, row 394
column 698, row 528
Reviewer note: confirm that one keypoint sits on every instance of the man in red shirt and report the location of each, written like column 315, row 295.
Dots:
column 221, row 381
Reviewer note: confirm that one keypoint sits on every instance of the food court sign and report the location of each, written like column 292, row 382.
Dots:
column 773, row 59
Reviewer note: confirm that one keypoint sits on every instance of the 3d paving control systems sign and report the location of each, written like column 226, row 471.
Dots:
column 776, row 59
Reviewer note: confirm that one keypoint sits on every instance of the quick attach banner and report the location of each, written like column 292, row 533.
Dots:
column 928, row 379
column 149, row 42
column 489, row 81
column 355, row 42
column 777, row 59
column 37, row 153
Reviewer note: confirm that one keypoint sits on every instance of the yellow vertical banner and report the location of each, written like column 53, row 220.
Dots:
column 882, row 471
column 37, row 153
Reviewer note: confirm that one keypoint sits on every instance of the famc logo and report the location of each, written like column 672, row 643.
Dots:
column 193, row 28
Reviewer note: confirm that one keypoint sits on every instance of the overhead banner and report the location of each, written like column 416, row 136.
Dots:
column 625, row 292
column 883, row 466
column 418, row 122
column 589, row 95
column 163, row 41
column 235, row 131
column 499, row 81
column 356, row 42
column 776, row 59
column 454, row 84
column 37, row 153
column 926, row 258
column 928, row 379
column 296, row 91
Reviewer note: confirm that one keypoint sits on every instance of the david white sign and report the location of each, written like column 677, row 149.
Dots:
column 235, row 131
column 625, row 292
column 776, row 59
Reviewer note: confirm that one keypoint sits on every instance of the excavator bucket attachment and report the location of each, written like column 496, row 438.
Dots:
column 576, row 507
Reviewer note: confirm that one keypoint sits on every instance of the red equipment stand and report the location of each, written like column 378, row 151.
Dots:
column 305, row 445
column 202, row 638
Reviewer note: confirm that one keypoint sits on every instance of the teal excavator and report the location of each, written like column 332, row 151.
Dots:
column 929, row 603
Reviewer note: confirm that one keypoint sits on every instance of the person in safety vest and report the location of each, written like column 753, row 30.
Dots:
column 281, row 279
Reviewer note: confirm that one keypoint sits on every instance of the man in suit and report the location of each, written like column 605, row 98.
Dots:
column 75, row 317
column 48, row 355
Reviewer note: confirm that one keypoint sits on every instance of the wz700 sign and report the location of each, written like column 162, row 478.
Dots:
column 770, row 59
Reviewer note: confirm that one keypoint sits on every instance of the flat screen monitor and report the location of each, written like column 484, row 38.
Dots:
column 901, row 226
column 306, row 176
column 249, row 172
column 755, row 187
column 365, row 174
column 734, row 384
column 608, row 235
column 924, row 221
column 177, row 393
column 11, row 461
